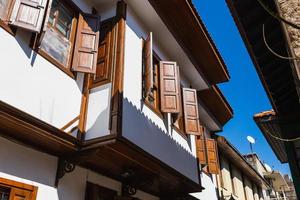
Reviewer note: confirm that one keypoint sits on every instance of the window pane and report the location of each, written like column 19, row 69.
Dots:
column 60, row 18
column 4, row 193
column 4, row 4
column 56, row 46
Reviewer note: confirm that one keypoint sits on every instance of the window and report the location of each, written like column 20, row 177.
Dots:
column 5, row 10
column 14, row 190
column 58, row 40
column 4, row 193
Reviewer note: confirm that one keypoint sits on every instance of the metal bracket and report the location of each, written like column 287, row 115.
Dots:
column 63, row 167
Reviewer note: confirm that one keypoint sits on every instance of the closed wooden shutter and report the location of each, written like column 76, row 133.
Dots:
column 28, row 14
column 105, row 52
column 169, row 87
column 97, row 192
column 190, row 110
column 86, row 44
column 148, row 66
column 212, row 156
column 18, row 194
column 200, row 146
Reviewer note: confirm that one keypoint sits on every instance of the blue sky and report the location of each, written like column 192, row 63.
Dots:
column 244, row 91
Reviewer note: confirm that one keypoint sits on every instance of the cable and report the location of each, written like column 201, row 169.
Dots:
column 272, row 51
column 282, row 139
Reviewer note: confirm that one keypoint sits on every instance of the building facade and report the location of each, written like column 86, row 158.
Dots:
column 238, row 178
column 108, row 100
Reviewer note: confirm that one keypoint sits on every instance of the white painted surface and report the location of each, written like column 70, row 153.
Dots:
column 210, row 191
column 35, row 86
column 98, row 112
column 144, row 12
column 140, row 124
column 31, row 167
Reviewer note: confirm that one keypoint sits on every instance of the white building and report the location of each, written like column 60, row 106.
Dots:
column 94, row 106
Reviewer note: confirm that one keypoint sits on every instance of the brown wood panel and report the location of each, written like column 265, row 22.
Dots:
column 212, row 156
column 18, row 194
column 19, row 191
column 201, row 148
column 97, row 192
column 28, row 14
column 148, row 66
column 86, row 44
column 118, row 76
column 105, row 53
column 190, row 110
column 169, row 87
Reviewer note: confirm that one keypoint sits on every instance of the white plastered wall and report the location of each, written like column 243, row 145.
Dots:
column 141, row 125
column 35, row 86
column 32, row 167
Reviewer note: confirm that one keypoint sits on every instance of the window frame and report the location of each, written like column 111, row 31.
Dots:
column 155, row 108
column 4, row 22
column 10, row 184
column 75, row 11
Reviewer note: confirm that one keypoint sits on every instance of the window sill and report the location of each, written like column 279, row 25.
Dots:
column 57, row 64
column 11, row 30
column 180, row 132
column 156, row 111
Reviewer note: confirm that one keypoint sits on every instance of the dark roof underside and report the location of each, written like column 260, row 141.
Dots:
column 274, row 72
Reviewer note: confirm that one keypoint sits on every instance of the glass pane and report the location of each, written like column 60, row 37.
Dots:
column 57, row 46
column 3, row 8
column 4, row 193
column 60, row 18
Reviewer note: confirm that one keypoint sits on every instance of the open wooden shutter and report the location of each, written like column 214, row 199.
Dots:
column 28, row 14
column 190, row 109
column 86, row 44
column 169, row 87
column 200, row 146
column 212, row 156
column 18, row 194
column 105, row 52
column 148, row 66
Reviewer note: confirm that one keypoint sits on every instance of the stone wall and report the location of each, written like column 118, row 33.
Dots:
column 290, row 10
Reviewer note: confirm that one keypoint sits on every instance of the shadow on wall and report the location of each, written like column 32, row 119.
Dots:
column 142, row 131
column 22, row 162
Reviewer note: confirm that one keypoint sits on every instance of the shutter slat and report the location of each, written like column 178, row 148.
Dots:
column 86, row 45
column 169, row 87
column 18, row 194
column 148, row 66
column 28, row 14
column 201, row 150
column 105, row 51
column 212, row 156
column 191, row 115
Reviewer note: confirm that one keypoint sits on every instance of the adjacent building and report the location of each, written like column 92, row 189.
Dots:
column 270, row 31
column 108, row 100
column 239, row 179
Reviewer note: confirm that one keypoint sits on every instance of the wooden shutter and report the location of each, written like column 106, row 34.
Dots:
column 86, row 44
column 169, row 87
column 190, row 110
column 105, row 52
column 148, row 66
column 28, row 14
column 19, row 194
column 97, row 192
column 200, row 146
column 212, row 156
